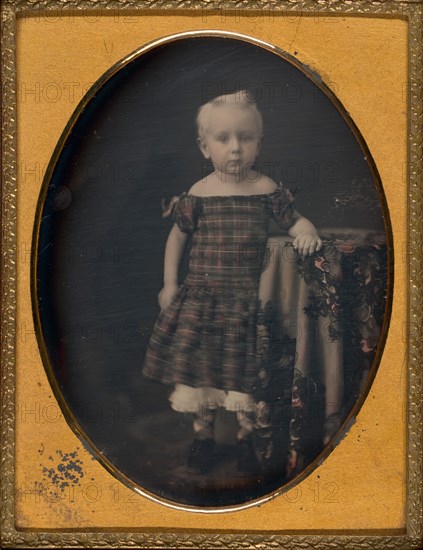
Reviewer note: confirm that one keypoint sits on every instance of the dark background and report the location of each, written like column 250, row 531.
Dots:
column 102, row 235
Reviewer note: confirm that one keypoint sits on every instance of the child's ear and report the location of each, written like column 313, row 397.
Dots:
column 259, row 145
column 203, row 148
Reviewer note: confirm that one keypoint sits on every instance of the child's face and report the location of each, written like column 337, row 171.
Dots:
column 231, row 140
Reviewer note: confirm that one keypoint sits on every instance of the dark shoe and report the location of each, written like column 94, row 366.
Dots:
column 200, row 455
column 247, row 463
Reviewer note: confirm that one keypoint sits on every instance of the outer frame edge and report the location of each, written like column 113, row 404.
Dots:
column 415, row 279
column 10, row 537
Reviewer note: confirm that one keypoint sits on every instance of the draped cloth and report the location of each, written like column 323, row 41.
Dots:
column 332, row 309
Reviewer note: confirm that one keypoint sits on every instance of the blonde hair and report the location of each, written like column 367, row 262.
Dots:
column 239, row 99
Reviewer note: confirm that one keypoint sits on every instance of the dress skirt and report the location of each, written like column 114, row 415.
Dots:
column 204, row 341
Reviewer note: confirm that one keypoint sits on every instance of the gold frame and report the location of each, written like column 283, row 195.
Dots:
column 10, row 536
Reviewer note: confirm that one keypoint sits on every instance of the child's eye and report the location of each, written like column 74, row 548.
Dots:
column 247, row 137
column 222, row 138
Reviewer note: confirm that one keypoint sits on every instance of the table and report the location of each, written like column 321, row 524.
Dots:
column 328, row 320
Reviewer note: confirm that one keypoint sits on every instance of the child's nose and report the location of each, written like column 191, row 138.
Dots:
column 235, row 144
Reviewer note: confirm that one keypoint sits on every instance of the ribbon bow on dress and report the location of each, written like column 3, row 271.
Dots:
column 167, row 210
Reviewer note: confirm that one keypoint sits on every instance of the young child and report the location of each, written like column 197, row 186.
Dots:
column 204, row 340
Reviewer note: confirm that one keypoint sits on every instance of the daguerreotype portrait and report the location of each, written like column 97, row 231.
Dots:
column 214, row 324
column 214, row 255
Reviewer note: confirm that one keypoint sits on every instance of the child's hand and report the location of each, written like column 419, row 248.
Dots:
column 307, row 243
column 167, row 294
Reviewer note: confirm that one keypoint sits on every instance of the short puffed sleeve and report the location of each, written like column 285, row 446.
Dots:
column 283, row 206
column 186, row 213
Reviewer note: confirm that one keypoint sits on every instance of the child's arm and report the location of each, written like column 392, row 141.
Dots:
column 175, row 247
column 307, row 240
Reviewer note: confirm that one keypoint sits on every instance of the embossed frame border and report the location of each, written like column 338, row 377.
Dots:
column 410, row 10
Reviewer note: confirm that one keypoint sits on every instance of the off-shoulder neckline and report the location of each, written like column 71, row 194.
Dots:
column 232, row 196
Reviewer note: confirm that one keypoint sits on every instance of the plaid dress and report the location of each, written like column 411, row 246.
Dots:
column 206, row 337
